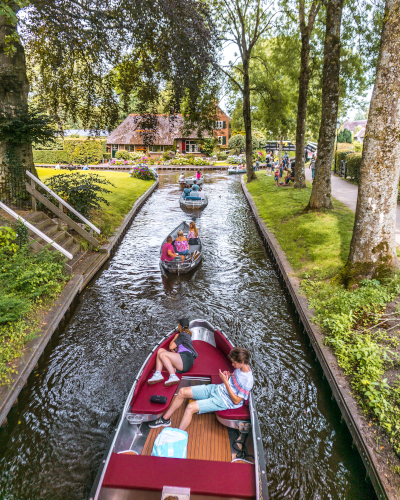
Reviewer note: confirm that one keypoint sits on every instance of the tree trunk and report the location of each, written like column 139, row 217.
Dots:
column 247, row 121
column 14, row 88
column 280, row 147
column 373, row 246
column 304, row 78
column 321, row 195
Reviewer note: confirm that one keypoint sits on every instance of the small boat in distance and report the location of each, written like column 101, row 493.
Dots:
column 224, row 457
column 195, row 201
column 236, row 170
column 179, row 266
column 190, row 180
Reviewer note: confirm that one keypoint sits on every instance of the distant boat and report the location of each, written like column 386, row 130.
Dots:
column 177, row 266
column 196, row 201
column 190, row 180
column 224, row 457
column 236, row 170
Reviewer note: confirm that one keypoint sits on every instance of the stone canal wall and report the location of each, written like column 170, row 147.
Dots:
column 361, row 433
column 25, row 364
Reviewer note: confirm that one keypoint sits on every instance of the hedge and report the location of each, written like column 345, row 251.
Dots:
column 81, row 151
column 353, row 166
column 46, row 156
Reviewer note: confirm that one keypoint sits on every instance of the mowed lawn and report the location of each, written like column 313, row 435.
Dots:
column 126, row 191
column 317, row 244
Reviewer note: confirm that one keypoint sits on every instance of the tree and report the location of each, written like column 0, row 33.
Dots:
column 321, row 195
column 345, row 136
column 243, row 23
column 373, row 245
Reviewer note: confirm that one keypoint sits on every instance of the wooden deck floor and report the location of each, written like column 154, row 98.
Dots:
column 208, row 439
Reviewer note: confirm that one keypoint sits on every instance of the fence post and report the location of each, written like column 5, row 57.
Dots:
column 91, row 234
column 33, row 184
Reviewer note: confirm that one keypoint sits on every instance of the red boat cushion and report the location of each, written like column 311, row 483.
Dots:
column 142, row 402
column 209, row 361
column 139, row 472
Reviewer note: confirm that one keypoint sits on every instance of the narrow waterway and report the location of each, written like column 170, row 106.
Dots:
column 58, row 432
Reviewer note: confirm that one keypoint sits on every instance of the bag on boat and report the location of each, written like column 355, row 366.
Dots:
column 193, row 241
column 170, row 443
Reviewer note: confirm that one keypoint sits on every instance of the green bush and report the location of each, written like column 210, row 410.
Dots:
column 209, row 145
column 341, row 155
column 358, row 147
column 353, row 166
column 107, row 156
column 239, row 142
column 49, row 157
column 56, row 145
column 183, row 160
column 8, row 239
column 222, row 156
column 345, row 136
column 143, row 172
column 82, row 151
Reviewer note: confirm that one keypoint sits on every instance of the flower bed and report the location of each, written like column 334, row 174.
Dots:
column 196, row 160
column 142, row 172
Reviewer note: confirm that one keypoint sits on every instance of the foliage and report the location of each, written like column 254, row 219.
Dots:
column 56, row 145
column 143, row 172
column 209, row 145
column 353, row 166
column 239, row 142
column 48, row 157
column 22, row 236
column 358, row 147
column 82, row 151
column 183, row 160
column 82, row 191
column 8, row 239
column 128, row 155
column 107, row 156
column 342, row 155
column 345, row 136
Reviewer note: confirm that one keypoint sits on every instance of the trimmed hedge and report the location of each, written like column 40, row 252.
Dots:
column 341, row 155
column 81, row 151
column 353, row 166
column 47, row 156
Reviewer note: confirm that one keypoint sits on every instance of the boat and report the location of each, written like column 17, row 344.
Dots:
column 191, row 261
column 236, row 170
column 197, row 201
column 190, row 180
column 225, row 458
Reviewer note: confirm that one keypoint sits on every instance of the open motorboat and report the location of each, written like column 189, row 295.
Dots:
column 190, row 180
column 179, row 266
column 236, row 170
column 196, row 200
column 224, row 458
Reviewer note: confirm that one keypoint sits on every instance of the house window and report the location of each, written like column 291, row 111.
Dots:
column 129, row 147
column 219, row 125
column 192, row 147
column 115, row 147
column 155, row 148
column 222, row 140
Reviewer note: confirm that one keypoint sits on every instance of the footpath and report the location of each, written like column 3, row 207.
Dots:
column 347, row 193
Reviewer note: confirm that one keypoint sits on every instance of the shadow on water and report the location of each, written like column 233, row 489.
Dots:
column 58, row 432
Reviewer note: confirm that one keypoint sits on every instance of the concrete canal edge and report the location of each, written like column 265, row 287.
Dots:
column 361, row 433
column 27, row 362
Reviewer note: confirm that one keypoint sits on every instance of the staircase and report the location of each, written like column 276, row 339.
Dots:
column 51, row 229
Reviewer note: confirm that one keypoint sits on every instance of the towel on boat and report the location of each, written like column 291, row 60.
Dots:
column 170, row 443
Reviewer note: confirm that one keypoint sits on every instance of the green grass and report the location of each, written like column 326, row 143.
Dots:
column 317, row 244
column 126, row 191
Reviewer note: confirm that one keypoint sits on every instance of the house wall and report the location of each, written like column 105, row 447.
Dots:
column 223, row 134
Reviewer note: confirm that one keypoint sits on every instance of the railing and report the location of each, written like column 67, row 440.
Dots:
column 36, row 231
column 31, row 188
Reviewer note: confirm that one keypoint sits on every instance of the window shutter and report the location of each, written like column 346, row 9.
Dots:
column 224, row 140
column 183, row 146
column 223, row 124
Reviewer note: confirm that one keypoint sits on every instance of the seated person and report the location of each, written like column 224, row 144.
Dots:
column 186, row 192
column 182, row 177
column 198, row 175
column 179, row 357
column 181, row 244
column 234, row 390
column 195, row 188
column 167, row 252
column 193, row 231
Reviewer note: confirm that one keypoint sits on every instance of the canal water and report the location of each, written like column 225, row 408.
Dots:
column 57, row 434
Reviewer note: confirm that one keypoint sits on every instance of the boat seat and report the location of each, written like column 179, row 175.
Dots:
column 193, row 248
column 203, row 477
column 142, row 402
column 193, row 198
column 209, row 361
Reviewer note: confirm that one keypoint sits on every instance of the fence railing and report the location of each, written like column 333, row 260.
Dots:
column 59, row 211
column 36, row 231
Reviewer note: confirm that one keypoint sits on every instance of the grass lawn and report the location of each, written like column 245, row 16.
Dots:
column 317, row 244
column 126, row 191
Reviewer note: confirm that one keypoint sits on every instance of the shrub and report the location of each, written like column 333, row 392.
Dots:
column 183, row 160
column 56, row 145
column 143, row 172
column 239, row 142
column 8, row 239
column 82, row 191
column 345, row 136
column 341, row 155
column 47, row 156
column 82, row 151
column 358, row 147
column 353, row 166
column 208, row 145
column 107, row 156
column 222, row 156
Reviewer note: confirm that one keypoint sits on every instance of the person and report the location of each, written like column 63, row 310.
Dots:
column 234, row 390
column 195, row 186
column 167, row 252
column 193, row 231
column 182, row 177
column 286, row 158
column 186, row 191
column 276, row 178
column 312, row 167
column 86, row 167
column 58, row 166
column 179, row 357
column 257, row 165
column 269, row 165
column 198, row 175
column 181, row 244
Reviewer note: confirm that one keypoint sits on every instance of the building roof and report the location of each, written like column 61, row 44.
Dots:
column 168, row 129
column 353, row 124
column 85, row 133
column 360, row 134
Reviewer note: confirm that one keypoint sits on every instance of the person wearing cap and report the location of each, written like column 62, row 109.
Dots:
column 179, row 357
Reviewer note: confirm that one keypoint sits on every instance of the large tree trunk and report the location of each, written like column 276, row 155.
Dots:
column 247, row 121
column 14, row 88
column 321, row 195
column 299, row 173
column 373, row 246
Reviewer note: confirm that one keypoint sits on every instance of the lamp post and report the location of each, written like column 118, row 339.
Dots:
column 337, row 133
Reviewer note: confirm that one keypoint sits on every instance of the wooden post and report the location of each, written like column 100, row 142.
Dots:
column 33, row 184
column 91, row 234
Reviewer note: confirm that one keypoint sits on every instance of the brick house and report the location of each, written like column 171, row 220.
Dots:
column 169, row 133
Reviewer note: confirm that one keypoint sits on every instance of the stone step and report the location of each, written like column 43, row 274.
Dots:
column 73, row 264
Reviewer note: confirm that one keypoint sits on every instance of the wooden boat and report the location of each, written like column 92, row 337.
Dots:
column 190, row 180
column 217, row 466
column 191, row 261
column 236, row 170
column 197, row 201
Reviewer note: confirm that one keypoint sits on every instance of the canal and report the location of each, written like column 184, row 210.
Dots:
column 58, row 432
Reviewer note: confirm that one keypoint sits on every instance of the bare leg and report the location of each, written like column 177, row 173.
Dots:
column 191, row 408
column 159, row 364
column 171, row 361
column 183, row 393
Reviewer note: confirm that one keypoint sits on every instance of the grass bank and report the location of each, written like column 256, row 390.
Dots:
column 126, row 191
column 361, row 325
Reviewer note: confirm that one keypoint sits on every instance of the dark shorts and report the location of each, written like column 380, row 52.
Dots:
column 187, row 360
column 276, row 178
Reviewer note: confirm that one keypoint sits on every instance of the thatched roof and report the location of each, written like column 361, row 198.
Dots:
column 167, row 130
column 353, row 124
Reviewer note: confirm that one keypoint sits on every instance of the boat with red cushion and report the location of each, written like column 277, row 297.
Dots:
column 225, row 458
